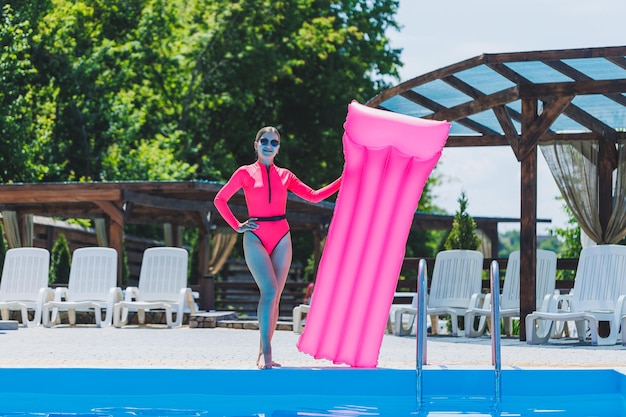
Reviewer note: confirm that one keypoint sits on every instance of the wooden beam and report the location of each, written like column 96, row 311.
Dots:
column 501, row 140
column 551, row 111
column 423, row 79
column 573, row 88
column 509, row 74
column 142, row 199
column 602, row 52
column 506, row 122
column 585, row 119
column 436, row 107
column 456, row 141
column 478, row 105
column 24, row 195
column 115, row 213
column 620, row 61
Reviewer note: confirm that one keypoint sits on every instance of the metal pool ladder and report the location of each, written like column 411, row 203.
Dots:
column 421, row 356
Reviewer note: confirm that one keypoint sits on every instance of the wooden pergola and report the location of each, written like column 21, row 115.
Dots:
column 179, row 204
column 520, row 100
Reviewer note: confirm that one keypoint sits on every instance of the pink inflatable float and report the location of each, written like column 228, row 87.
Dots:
column 388, row 160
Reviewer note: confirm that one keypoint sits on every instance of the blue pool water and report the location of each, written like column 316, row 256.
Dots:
column 310, row 392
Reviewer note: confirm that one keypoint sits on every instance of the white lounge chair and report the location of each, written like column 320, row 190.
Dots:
column 162, row 286
column 598, row 295
column 297, row 315
column 24, row 284
column 92, row 285
column 457, row 275
column 509, row 300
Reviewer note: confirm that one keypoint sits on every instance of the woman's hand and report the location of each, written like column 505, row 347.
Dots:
column 248, row 225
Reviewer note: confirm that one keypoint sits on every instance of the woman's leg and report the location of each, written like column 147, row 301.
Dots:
column 281, row 262
column 262, row 269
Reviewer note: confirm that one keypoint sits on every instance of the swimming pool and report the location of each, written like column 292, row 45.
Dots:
column 290, row 392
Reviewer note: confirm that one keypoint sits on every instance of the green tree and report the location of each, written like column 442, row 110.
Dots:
column 463, row 234
column 60, row 262
column 509, row 241
column 176, row 89
column 552, row 244
column 189, row 82
column 27, row 113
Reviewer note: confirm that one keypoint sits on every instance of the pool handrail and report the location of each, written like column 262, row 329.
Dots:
column 421, row 355
column 494, row 278
column 420, row 334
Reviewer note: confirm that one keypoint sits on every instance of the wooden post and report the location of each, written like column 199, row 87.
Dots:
column 528, row 211
column 317, row 248
column 491, row 231
column 605, row 183
column 116, row 241
column 605, row 199
column 206, row 282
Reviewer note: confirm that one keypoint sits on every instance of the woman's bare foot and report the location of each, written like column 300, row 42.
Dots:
column 264, row 361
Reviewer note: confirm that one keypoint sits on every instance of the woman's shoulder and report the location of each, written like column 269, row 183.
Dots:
column 284, row 171
column 247, row 169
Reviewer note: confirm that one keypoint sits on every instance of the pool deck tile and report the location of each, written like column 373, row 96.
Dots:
column 85, row 346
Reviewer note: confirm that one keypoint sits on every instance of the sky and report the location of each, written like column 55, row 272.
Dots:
column 436, row 34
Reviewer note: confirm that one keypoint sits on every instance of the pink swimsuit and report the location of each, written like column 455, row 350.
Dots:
column 265, row 189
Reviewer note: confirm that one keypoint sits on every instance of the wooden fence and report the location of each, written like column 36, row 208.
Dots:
column 243, row 296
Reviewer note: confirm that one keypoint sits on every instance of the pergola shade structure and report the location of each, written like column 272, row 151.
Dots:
column 178, row 204
column 545, row 98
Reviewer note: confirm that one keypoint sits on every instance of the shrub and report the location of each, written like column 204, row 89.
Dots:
column 463, row 234
column 60, row 265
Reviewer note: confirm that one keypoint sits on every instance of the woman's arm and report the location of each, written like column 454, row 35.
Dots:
column 307, row 193
column 233, row 185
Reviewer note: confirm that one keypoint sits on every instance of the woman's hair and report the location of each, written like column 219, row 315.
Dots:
column 267, row 129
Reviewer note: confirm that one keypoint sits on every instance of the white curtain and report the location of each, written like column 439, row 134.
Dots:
column 29, row 230
column 574, row 167
column 223, row 243
column 12, row 229
column 101, row 232
column 616, row 229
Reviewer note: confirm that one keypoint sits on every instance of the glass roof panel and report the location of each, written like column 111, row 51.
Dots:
column 597, row 68
column 488, row 81
column 603, row 108
column 484, row 79
column 457, row 129
column 564, row 124
column 399, row 104
column 442, row 93
column 487, row 118
column 538, row 72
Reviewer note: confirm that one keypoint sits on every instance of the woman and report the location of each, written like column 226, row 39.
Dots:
column 266, row 238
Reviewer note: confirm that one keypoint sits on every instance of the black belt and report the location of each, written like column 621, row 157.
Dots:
column 271, row 218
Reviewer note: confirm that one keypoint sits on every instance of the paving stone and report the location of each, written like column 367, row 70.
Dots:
column 8, row 325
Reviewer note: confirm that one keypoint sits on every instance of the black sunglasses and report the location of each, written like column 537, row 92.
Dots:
column 265, row 141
